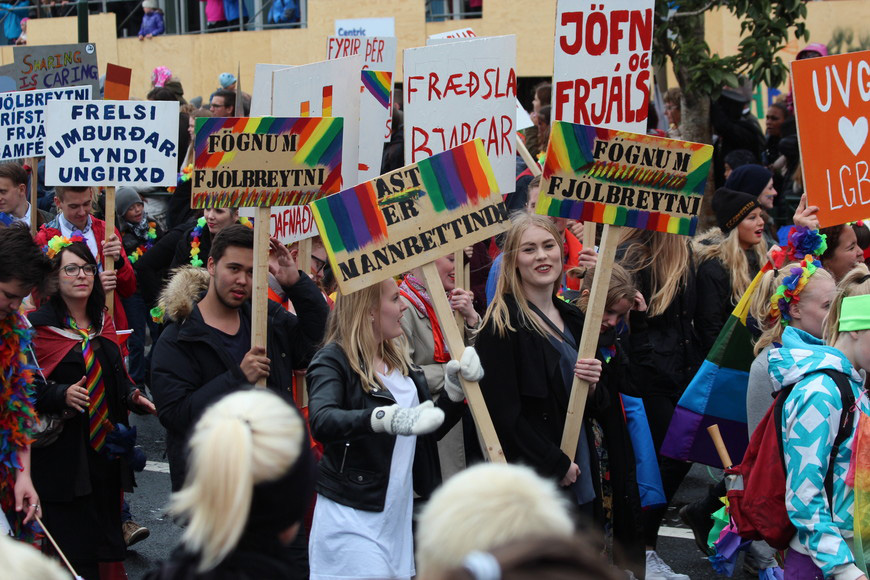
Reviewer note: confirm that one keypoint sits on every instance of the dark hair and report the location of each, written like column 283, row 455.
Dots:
column 740, row 157
column 21, row 259
column 183, row 138
column 236, row 235
column 229, row 98
column 161, row 94
column 783, row 108
column 61, row 190
column 14, row 172
column 652, row 119
column 544, row 92
column 833, row 234
column 544, row 114
column 96, row 301
column 863, row 236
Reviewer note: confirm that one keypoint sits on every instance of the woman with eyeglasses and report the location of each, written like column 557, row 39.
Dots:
column 80, row 475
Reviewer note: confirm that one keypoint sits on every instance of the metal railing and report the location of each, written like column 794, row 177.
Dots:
column 443, row 10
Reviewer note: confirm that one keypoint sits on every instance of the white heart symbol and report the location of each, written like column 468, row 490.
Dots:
column 854, row 135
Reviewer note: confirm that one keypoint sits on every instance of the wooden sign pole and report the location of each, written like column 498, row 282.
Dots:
column 724, row 456
column 303, row 262
column 459, row 282
column 108, row 261
column 260, row 300
column 527, row 157
column 456, row 346
column 34, row 198
column 589, row 339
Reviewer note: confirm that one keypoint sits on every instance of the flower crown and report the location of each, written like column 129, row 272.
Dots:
column 57, row 243
column 183, row 177
column 788, row 292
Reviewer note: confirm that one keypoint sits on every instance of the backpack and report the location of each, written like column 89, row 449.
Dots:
column 756, row 497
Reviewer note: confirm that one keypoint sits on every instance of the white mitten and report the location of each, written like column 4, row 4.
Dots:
column 396, row 420
column 469, row 366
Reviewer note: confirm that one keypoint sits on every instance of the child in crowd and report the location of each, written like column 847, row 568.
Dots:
column 152, row 21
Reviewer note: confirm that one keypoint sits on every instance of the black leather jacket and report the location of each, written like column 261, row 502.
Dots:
column 355, row 467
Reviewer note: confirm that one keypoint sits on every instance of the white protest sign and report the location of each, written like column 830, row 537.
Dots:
column 602, row 63
column 261, row 97
column 460, row 91
column 375, row 107
column 321, row 90
column 22, row 118
column 460, row 33
column 111, row 143
column 288, row 223
column 366, row 27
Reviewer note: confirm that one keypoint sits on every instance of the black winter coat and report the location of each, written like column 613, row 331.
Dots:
column 355, row 467
column 191, row 369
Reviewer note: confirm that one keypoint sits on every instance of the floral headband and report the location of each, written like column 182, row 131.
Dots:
column 57, row 243
column 788, row 292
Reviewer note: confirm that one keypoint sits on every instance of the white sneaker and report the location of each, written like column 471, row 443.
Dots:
column 656, row 569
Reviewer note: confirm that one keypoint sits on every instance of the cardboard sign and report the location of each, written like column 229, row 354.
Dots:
column 261, row 97
column 58, row 65
column 601, row 71
column 111, row 143
column 265, row 161
column 624, row 179
column 321, row 90
column 288, row 223
column 410, row 216
column 117, row 85
column 366, row 27
column 832, row 105
column 460, row 91
column 22, row 118
column 461, row 33
column 8, row 80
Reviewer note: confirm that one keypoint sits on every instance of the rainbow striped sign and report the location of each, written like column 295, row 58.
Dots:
column 410, row 216
column 624, row 179
column 378, row 83
column 265, row 161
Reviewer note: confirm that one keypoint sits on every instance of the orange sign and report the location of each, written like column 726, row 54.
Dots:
column 832, row 104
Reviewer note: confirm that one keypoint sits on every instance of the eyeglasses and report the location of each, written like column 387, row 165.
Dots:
column 215, row 106
column 318, row 264
column 72, row 270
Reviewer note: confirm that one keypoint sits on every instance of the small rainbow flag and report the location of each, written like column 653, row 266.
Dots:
column 378, row 83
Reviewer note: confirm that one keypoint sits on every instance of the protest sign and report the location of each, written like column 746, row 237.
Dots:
column 376, row 92
column 117, row 85
column 602, row 63
column 288, row 223
column 320, row 90
column 58, row 65
column 460, row 91
column 22, row 118
column 366, row 27
column 265, row 161
column 111, row 143
column 623, row 179
column 832, row 106
column 8, row 80
column 408, row 218
column 261, row 97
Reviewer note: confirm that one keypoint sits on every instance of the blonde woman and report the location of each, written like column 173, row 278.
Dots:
column 249, row 485
column 373, row 413
column 728, row 258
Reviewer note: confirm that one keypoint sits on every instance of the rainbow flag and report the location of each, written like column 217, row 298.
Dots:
column 717, row 394
column 378, row 83
column 571, row 152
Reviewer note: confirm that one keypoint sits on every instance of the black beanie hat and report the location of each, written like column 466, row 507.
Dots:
column 751, row 179
column 730, row 207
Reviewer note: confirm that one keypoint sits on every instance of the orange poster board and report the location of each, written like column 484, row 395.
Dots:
column 832, row 105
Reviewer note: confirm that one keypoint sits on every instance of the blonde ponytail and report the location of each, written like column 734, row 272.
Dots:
column 855, row 283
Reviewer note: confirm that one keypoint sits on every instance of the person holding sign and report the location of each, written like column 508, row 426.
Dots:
column 81, row 474
column 374, row 414
column 843, row 252
column 529, row 341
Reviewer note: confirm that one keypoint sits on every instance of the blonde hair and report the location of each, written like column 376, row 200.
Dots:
column 759, row 307
column 20, row 560
column 714, row 245
column 483, row 507
column 509, row 281
column 853, row 284
column 246, row 438
column 350, row 327
column 622, row 287
column 668, row 258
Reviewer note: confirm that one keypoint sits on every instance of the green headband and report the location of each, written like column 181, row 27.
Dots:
column 855, row 313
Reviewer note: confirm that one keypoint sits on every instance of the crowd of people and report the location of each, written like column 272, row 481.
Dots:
column 360, row 458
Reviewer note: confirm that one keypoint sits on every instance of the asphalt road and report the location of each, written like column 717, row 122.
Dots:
column 152, row 495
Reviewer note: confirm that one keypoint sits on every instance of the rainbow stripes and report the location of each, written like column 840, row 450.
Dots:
column 378, row 83
column 646, row 163
column 455, row 176
column 351, row 219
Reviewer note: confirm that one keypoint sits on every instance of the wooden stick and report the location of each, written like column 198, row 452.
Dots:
column 188, row 157
column 56, row 547
column 108, row 261
column 456, row 345
column 589, row 339
column 303, row 257
column 589, row 233
column 459, row 282
column 724, row 456
column 34, row 197
column 260, row 310
column 527, row 157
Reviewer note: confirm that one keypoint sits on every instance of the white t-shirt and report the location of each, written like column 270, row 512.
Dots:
column 348, row 543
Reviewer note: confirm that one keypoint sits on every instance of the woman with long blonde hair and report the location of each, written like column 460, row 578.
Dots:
column 248, row 488
column 372, row 411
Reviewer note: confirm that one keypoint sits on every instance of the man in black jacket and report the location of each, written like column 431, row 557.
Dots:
column 206, row 350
